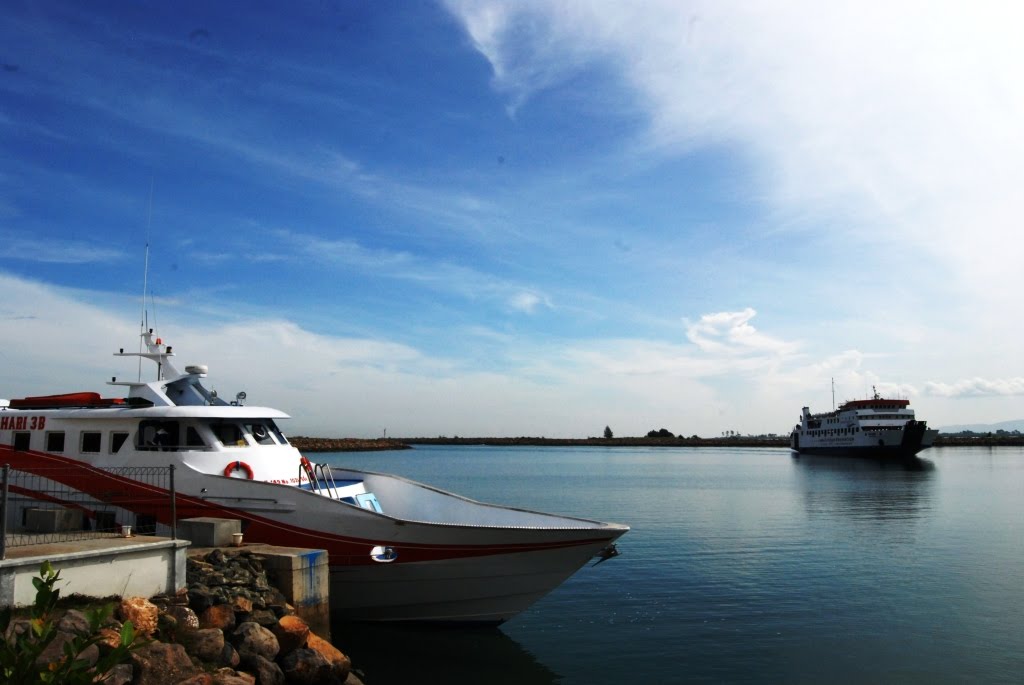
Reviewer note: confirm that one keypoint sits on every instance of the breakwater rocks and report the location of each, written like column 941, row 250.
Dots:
column 242, row 622
column 304, row 444
column 227, row 627
column 607, row 442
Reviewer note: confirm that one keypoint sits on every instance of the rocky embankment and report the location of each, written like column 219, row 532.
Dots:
column 606, row 442
column 228, row 627
column 359, row 445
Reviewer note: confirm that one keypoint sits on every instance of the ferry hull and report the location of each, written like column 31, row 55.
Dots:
column 876, row 428
column 863, row 452
column 909, row 443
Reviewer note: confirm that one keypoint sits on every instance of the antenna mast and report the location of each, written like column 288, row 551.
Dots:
column 145, row 276
column 833, row 394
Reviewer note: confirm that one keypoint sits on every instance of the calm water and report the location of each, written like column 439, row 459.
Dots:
column 745, row 565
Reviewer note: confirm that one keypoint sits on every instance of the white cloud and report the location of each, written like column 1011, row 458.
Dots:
column 527, row 302
column 898, row 127
column 731, row 333
column 977, row 387
column 58, row 341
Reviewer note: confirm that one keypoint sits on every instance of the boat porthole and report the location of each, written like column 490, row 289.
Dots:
column 236, row 466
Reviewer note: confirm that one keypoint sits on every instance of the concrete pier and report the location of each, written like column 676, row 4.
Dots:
column 141, row 566
column 145, row 566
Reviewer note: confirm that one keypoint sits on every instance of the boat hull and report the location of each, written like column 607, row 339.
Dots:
column 903, row 444
column 481, row 590
column 863, row 452
column 454, row 571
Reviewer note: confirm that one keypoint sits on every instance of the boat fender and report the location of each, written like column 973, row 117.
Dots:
column 238, row 466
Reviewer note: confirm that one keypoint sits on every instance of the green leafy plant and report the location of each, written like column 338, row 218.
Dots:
column 20, row 651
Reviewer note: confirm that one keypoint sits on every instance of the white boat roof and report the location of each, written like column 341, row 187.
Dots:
column 230, row 412
column 174, row 394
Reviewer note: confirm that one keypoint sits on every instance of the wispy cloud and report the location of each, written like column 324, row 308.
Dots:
column 54, row 250
column 442, row 276
column 528, row 302
column 977, row 387
column 234, row 126
column 902, row 132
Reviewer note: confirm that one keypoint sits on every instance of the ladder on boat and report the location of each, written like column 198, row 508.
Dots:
column 321, row 478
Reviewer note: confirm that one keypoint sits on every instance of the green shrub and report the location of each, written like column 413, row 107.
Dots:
column 19, row 653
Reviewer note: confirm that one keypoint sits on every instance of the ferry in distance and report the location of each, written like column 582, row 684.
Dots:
column 875, row 427
column 398, row 550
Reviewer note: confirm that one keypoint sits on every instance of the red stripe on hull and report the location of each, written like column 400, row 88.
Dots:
column 142, row 498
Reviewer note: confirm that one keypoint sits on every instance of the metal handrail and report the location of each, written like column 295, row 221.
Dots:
column 61, row 495
column 328, row 477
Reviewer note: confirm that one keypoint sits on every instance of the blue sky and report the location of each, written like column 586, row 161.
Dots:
column 521, row 218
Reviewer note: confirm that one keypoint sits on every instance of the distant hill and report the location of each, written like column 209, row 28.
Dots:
column 1016, row 425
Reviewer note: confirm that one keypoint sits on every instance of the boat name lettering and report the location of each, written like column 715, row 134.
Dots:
column 284, row 481
column 20, row 423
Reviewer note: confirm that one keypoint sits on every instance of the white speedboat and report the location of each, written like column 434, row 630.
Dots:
column 875, row 427
column 399, row 550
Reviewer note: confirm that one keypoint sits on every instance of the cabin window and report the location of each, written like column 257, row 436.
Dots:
column 192, row 438
column 229, row 434
column 261, row 433
column 91, row 441
column 158, row 435
column 116, row 440
column 21, row 441
column 55, row 441
column 277, row 433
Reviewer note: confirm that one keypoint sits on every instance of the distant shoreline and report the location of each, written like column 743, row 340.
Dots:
column 307, row 444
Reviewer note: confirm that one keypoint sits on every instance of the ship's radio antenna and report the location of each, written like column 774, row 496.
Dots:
column 145, row 276
column 833, row 394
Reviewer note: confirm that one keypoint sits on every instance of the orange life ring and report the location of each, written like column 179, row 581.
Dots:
column 234, row 465
column 307, row 467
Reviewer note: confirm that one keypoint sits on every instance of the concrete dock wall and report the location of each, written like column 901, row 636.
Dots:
column 102, row 568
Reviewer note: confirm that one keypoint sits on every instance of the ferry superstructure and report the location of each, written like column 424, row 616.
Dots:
column 399, row 550
column 875, row 427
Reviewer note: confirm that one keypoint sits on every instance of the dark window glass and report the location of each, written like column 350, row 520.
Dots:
column 228, row 433
column 116, row 440
column 55, row 442
column 22, row 441
column 192, row 438
column 91, row 442
column 158, row 435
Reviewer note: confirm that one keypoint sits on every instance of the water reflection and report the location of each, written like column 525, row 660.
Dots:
column 846, row 463
column 865, row 489
column 401, row 654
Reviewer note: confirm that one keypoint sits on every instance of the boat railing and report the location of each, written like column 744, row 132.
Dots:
column 321, row 479
column 43, row 504
column 323, row 473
